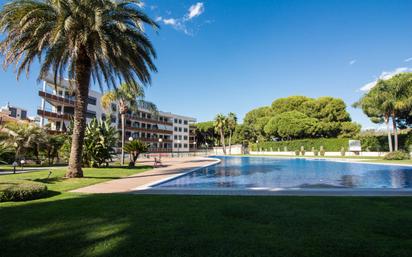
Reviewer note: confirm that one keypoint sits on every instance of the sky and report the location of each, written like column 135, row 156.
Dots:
column 222, row 56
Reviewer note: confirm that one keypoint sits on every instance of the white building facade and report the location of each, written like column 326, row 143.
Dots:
column 164, row 131
column 14, row 111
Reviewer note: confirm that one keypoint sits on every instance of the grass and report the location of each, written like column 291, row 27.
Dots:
column 69, row 224
column 131, row 225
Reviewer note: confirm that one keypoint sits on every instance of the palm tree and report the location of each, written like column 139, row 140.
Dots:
column 231, row 126
column 135, row 148
column 25, row 138
column 220, row 127
column 128, row 98
column 103, row 40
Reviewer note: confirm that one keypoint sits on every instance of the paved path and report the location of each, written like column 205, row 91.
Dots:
column 172, row 167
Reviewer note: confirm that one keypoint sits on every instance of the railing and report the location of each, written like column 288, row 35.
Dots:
column 134, row 117
column 56, row 98
column 147, row 130
column 55, row 115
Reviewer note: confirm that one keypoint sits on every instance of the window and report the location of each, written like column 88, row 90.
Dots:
column 175, row 137
column 13, row 112
column 180, row 129
column 185, row 145
column 185, row 129
column 23, row 114
column 180, row 121
column 175, row 120
column 185, row 122
column 176, row 129
column 175, row 145
column 180, row 137
column 90, row 114
column 91, row 100
column 184, row 137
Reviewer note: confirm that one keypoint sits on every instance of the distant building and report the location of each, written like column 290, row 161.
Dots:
column 165, row 132
column 14, row 112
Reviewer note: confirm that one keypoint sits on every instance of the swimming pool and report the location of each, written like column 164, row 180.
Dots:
column 267, row 172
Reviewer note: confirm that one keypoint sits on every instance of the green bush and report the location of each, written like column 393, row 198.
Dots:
column 329, row 144
column 398, row 155
column 21, row 190
column 297, row 152
column 315, row 152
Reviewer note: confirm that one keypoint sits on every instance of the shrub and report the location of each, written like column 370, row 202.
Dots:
column 342, row 151
column 297, row 152
column 21, row 190
column 315, row 152
column 329, row 144
column 322, row 151
column 398, row 155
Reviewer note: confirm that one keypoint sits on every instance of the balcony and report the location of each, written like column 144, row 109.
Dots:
column 136, row 118
column 56, row 99
column 53, row 115
column 160, row 131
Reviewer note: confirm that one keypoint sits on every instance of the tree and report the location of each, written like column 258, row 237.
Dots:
column 291, row 125
column 128, row 97
column 99, row 142
column 85, row 39
column 51, row 147
column 220, row 127
column 135, row 148
column 26, row 138
column 378, row 107
column 5, row 150
column 206, row 133
column 231, row 122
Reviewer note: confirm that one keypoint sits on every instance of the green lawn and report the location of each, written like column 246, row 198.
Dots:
column 69, row 224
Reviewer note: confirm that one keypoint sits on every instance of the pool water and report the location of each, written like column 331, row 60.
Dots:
column 267, row 172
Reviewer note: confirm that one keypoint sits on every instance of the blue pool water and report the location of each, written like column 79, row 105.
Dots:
column 265, row 172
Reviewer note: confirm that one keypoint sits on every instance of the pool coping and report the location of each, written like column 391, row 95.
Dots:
column 150, row 188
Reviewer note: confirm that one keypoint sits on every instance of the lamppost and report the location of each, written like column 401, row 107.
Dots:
column 178, row 148
column 160, row 145
column 207, row 146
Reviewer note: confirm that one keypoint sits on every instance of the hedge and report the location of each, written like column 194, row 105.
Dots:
column 21, row 190
column 329, row 144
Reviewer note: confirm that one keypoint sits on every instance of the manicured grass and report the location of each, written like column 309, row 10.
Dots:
column 132, row 225
column 56, row 181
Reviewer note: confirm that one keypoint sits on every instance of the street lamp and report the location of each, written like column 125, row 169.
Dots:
column 130, row 139
column 178, row 148
column 207, row 146
column 160, row 145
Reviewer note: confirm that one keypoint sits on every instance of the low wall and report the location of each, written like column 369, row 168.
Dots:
column 235, row 149
column 365, row 154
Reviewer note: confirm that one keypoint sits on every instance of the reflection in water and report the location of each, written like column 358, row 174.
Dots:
column 246, row 172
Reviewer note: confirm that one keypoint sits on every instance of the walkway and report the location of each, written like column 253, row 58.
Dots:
column 172, row 167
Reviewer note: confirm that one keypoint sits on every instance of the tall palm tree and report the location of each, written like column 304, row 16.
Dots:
column 127, row 98
column 220, row 127
column 101, row 40
column 231, row 126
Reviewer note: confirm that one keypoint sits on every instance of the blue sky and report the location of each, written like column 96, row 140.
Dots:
column 231, row 56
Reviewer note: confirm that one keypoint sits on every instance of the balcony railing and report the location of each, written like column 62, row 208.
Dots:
column 53, row 115
column 151, row 130
column 56, row 98
column 134, row 117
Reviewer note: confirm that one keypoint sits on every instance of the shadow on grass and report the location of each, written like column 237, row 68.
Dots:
column 130, row 225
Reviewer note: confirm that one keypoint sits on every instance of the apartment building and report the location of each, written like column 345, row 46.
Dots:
column 164, row 131
column 14, row 112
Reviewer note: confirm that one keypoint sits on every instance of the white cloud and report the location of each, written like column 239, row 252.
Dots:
column 352, row 61
column 408, row 59
column 195, row 10
column 385, row 75
column 170, row 21
column 180, row 24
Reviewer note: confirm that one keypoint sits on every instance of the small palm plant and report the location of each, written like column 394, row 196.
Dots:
column 135, row 148
column 103, row 40
column 231, row 126
column 220, row 127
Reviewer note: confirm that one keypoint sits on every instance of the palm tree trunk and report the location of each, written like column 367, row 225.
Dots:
column 389, row 133
column 123, row 124
column 230, row 142
column 82, row 73
column 395, row 132
column 222, row 139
